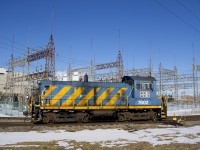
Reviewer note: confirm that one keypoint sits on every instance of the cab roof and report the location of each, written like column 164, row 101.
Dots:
column 130, row 79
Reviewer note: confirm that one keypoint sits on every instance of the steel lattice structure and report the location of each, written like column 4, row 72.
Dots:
column 168, row 80
column 118, row 65
column 49, row 73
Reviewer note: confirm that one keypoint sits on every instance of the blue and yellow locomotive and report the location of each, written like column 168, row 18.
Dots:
column 80, row 101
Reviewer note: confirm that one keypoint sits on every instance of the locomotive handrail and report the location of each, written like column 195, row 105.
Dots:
column 132, row 87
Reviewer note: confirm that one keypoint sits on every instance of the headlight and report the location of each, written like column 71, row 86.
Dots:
column 38, row 82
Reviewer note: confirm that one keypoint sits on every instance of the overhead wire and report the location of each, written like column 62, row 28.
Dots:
column 190, row 11
column 20, row 47
column 7, row 46
column 12, row 41
column 58, row 58
column 198, row 2
column 177, row 16
column 73, row 59
column 22, row 51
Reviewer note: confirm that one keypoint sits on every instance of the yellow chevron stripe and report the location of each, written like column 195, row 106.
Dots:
column 48, row 91
column 60, row 94
column 73, row 96
column 103, row 96
column 87, row 97
column 114, row 98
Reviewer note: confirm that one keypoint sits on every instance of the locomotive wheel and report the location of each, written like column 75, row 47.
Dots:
column 154, row 116
column 121, row 117
column 82, row 117
column 45, row 119
column 52, row 118
column 85, row 118
column 49, row 117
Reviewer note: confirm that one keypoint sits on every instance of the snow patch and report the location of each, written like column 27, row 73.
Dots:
column 2, row 115
column 107, row 137
column 184, row 112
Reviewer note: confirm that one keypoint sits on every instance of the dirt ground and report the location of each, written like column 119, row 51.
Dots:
column 88, row 146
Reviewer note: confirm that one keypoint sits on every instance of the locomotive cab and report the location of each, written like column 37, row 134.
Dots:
column 143, row 95
column 142, row 87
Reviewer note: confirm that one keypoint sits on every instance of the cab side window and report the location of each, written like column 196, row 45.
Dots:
column 138, row 86
column 144, row 86
column 151, row 86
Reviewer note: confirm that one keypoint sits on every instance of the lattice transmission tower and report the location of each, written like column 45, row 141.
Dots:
column 120, row 66
column 50, row 59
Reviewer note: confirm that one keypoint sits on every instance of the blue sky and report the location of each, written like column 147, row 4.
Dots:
column 164, row 30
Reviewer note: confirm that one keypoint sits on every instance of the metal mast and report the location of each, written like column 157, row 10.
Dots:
column 194, row 79
column 50, row 59
column 120, row 67
column 10, row 74
column 160, row 79
column 175, row 83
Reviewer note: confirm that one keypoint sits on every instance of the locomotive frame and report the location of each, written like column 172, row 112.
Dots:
column 81, row 101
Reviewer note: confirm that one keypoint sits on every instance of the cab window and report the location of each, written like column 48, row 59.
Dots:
column 138, row 86
column 144, row 86
column 151, row 86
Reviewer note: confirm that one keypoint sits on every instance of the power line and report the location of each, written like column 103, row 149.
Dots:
column 198, row 2
column 65, row 59
column 8, row 46
column 3, row 37
column 188, row 10
column 52, row 20
column 180, row 18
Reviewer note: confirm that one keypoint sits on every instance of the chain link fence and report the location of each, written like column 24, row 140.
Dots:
column 10, row 108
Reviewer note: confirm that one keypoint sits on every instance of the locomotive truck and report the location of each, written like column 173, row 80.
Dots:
column 81, row 101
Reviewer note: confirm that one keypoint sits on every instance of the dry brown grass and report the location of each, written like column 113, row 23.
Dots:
column 88, row 146
column 53, row 145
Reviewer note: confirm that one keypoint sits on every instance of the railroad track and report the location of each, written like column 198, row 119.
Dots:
column 186, row 118
column 15, row 121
